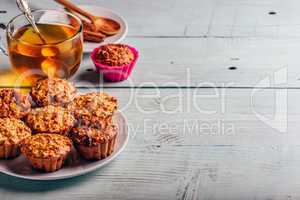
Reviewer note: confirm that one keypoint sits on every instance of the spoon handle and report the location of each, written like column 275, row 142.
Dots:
column 24, row 7
column 74, row 8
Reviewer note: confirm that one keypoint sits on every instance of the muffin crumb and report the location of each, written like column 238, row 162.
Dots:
column 92, row 136
column 14, row 104
column 51, row 119
column 93, row 109
column 94, row 143
column 46, row 145
column 46, row 151
column 53, row 91
column 114, row 55
column 12, row 132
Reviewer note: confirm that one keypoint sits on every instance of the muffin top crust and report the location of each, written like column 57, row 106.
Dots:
column 114, row 55
column 51, row 119
column 12, row 131
column 13, row 103
column 93, row 108
column 92, row 136
column 53, row 91
column 46, row 145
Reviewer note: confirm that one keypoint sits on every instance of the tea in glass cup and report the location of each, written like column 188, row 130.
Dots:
column 55, row 52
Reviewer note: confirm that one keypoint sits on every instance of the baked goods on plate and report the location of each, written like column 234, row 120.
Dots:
column 20, row 167
column 53, row 91
column 46, row 152
column 12, row 132
column 46, row 135
column 50, row 119
column 93, row 109
column 93, row 143
column 13, row 103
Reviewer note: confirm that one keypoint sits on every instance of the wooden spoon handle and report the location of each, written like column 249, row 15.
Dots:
column 74, row 8
column 93, row 36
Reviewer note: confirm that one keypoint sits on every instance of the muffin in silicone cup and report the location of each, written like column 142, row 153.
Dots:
column 46, row 152
column 115, row 61
column 12, row 132
column 93, row 143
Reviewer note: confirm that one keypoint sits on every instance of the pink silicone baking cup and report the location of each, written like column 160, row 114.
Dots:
column 115, row 73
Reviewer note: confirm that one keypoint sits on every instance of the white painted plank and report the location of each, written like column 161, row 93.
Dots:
column 206, row 61
column 191, row 172
column 194, row 61
column 211, row 116
column 201, row 62
column 229, row 18
column 257, row 162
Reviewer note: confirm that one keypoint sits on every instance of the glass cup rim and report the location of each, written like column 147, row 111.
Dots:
column 44, row 10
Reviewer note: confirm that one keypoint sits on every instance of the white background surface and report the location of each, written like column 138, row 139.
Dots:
column 186, row 48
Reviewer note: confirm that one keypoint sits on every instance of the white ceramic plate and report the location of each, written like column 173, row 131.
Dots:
column 103, row 12
column 20, row 168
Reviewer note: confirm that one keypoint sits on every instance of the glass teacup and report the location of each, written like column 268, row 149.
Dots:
column 56, row 52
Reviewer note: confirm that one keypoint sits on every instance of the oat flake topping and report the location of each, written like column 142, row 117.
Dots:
column 53, row 91
column 12, row 131
column 46, row 145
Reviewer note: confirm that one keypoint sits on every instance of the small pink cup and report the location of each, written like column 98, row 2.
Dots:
column 115, row 73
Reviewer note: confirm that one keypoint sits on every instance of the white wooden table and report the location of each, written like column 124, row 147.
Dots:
column 213, row 104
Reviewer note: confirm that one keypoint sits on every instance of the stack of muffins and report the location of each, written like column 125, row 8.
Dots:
column 45, row 125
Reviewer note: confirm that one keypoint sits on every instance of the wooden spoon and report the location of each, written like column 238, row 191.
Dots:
column 93, row 36
column 104, row 25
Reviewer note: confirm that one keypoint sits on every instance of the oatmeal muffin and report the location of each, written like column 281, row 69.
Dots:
column 93, row 109
column 93, row 143
column 53, row 91
column 13, row 104
column 46, row 152
column 12, row 132
column 50, row 119
column 115, row 61
column 114, row 55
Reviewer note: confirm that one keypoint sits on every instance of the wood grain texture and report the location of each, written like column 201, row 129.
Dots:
column 193, row 172
column 199, row 62
column 256, row 161
column 211, row 116
column 238, row 139
column 206, row 62
column 190, row 18
column 209, row 18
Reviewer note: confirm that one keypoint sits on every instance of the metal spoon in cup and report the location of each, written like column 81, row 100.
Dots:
column 25, row 9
